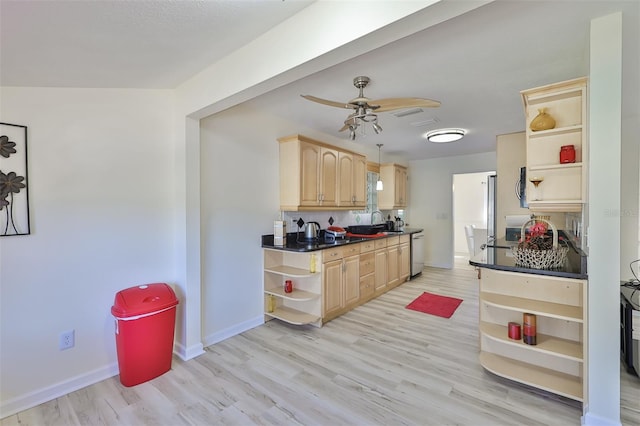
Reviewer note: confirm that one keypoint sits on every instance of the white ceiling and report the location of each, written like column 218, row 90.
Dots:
column 126, row 43
column 475, row 64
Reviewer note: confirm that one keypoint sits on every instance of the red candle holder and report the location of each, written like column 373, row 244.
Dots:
column 567, row 154
column 514, row 331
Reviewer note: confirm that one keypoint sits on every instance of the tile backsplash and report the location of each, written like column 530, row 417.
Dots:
column 340, row 218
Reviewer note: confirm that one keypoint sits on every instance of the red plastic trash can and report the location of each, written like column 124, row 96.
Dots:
column 145, row 323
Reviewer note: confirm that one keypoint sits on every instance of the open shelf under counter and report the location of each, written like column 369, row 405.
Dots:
column 293, row 316
column 542, row 378
column 538, row 307
column 545, row 344
column 290, row 271
column 296, row 295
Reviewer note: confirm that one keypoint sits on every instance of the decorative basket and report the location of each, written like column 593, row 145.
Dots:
column 540, row 259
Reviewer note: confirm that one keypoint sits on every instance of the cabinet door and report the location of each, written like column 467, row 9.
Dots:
column 394, row 194
column 400, row 182
column 360, row 180
column 332, row 287
column 329, row 177
column 345, row 179
column 309, row 174
column 351, row 280
column 367, row 287
column 393, row 273
column 404, row 259
column 381, row 269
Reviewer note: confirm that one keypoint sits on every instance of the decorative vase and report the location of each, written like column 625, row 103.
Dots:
column 543, row 121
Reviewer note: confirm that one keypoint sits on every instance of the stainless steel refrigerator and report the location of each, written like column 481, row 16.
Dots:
column 491, row 208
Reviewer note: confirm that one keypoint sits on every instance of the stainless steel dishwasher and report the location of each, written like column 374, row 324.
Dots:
column 417, row 253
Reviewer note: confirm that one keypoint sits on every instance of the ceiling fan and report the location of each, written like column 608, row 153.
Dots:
column 365, row 109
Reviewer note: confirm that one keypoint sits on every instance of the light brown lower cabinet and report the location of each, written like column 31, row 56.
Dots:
column 381, row 270
column 393, row 272
column 404, row 258
column 340, row 280
column 332, row 288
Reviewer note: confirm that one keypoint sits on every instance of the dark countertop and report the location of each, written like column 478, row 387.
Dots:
column 498, row 256
column 304, row 246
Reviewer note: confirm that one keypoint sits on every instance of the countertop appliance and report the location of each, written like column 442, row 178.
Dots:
column 334, row 232
column 311, row 230
column 417, row 253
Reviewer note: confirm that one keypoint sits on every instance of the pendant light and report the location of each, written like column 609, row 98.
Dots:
column 379, row 186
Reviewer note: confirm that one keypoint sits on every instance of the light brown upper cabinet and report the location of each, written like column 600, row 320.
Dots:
column 352, row 180
column 394, row 179
column 561, row 186
column 317, row 176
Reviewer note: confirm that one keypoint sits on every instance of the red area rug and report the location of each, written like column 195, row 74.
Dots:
column 434, row 304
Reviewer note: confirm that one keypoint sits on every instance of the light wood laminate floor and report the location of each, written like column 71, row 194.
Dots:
column 379, row 364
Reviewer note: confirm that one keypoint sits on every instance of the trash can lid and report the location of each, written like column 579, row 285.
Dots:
column 143, row 299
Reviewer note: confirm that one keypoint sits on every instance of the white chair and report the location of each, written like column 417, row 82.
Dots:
column 468, row 231
column 479, row 238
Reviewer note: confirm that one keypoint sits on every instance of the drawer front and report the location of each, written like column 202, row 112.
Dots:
column 331, row 254
column 381, row 243
column 367, row 263
column 350, row 250
column 367, row 286
column 367, row 246
column 393, row 241
column 405, row 239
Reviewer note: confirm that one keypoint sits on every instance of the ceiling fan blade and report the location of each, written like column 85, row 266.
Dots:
column 389, row 104
column 326, row 102
column 343, row 128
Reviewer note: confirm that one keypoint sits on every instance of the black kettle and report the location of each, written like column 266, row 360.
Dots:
column 311, row 230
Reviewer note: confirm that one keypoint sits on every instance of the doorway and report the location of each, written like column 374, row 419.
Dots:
column 470, row 207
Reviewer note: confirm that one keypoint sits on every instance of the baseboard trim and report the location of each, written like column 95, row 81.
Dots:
column 590, row 419
column 31, row 399
column 221, row 335
column 185, row 353
column 439, row 265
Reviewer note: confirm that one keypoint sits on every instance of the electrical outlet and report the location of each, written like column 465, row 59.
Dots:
column 67, row 340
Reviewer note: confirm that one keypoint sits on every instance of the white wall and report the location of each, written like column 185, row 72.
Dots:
column 239, row 202
column 100, row 185
column 431, row 207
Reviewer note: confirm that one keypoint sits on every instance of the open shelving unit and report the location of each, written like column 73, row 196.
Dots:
column 301, row 306
column 557, row 363
column 563, row 188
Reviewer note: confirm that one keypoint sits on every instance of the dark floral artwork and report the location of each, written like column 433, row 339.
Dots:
column 14, row 199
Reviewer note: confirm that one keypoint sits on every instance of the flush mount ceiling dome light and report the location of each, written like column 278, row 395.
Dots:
column 445, row 135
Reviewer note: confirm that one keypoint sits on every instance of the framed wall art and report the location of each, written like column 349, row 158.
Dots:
column 14, row 196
